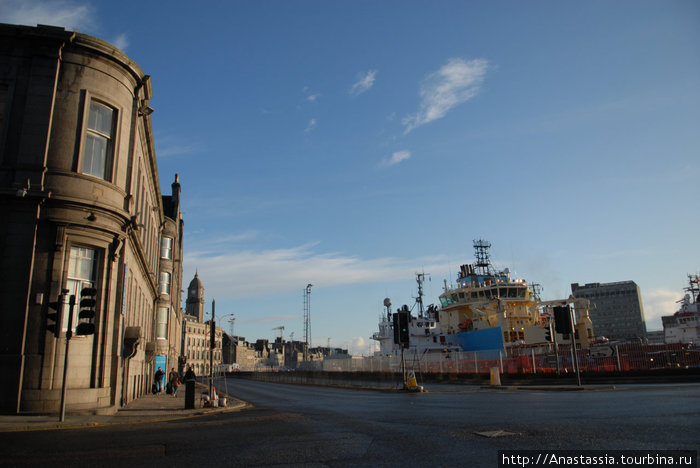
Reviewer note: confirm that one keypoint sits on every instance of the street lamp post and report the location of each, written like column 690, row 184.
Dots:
column 212, row 346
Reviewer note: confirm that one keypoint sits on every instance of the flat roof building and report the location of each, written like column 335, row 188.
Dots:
column 618, row 312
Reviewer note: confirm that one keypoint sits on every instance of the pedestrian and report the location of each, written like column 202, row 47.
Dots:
column 159, row 380
column 174, row 381
column 189, row 375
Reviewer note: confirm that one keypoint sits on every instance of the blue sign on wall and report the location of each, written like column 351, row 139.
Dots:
column 162, row 362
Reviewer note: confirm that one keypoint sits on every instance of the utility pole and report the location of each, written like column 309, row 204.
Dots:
column 573, row 346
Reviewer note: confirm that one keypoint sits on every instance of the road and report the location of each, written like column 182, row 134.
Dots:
column 317, row 426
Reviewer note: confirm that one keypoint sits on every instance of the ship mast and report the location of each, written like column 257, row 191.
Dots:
column 420, row 279
column 694, row 287
column 483, row 262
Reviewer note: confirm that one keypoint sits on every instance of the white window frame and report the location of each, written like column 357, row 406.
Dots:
column 164, row 284
column 98, row 135
column 76, row 281
column 166, row 248
column 162, row 323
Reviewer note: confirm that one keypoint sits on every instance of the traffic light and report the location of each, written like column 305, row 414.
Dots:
column 86, row 313
column 53, row 317
column 562, row 320
column 395, row 318
column 403, row 327
column 548, row 331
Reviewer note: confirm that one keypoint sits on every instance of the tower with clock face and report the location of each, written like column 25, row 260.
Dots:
column 195, row 299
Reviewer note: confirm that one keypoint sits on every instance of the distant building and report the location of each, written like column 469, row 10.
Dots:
column 618, row 312
column 655, row 337
column 196, row 333
column 81, row 208
column 238, row 351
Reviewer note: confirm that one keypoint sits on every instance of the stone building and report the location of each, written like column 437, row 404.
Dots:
column 196, row 333
column 241, row 353
column 618, row 312
column 82, row 212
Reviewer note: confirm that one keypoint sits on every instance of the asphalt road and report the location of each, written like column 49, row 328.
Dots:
column 316, row 426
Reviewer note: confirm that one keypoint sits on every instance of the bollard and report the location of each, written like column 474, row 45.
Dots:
column 495, row 377
column 411, row 383
column 189, row 394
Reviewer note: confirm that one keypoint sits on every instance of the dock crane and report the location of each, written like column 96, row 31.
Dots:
column 281, row 329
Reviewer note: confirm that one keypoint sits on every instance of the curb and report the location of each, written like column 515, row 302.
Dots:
column 53, row 426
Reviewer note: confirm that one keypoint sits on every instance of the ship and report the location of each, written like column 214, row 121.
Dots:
column 423, row 329
column 488, row 311
column 684, row 325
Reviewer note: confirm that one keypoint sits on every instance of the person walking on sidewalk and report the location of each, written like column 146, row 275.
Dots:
column 159, row 380
column 174, row 381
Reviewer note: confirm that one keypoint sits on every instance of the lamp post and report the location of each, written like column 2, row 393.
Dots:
column 212, row 346
column 231, row 319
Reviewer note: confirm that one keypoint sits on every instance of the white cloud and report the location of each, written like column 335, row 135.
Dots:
column 121, row 42
column 456, row 82
column 243, row 236
column 311, row 125
column 267, row 319
column 657, row 303
column 359, row 346
column 395, row 158
column 69, row 15
column 311, row 96
column 240, row 274
column 364, row 83
column 173, row 146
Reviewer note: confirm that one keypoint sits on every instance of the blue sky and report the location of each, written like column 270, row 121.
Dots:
column 352, row 144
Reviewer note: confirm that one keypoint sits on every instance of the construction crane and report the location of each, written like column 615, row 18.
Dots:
column 281, row 329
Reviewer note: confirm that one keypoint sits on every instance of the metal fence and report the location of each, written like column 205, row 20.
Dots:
column 602, row 358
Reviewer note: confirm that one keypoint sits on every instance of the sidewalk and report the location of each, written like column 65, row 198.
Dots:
column 147, row 408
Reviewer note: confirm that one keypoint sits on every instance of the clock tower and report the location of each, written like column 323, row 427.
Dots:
column 195, row 299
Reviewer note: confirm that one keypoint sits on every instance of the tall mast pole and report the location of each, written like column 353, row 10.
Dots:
column 307, row 320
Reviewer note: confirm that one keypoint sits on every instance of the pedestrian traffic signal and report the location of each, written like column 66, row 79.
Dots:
column 53, row 317
column 562, row 320
column 86, row 313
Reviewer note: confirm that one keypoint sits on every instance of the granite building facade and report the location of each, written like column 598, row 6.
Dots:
column 82, row 210
column 618, row 312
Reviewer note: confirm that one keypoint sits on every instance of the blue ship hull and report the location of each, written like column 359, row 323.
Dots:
column 487, row 339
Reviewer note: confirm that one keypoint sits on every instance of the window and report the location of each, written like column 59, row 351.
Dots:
column 162, row 323
column 97, row 155
column 164, row 283
column 166, row 248
column 82, row 270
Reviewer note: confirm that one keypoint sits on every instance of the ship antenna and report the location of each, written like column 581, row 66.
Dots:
column 536, row 291
column 693, row 288
column 420, row 279
column 483, row 262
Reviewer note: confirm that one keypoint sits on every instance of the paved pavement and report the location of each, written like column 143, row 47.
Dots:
column 148, row 408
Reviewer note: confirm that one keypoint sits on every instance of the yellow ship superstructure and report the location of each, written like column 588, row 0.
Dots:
column 486, row 309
